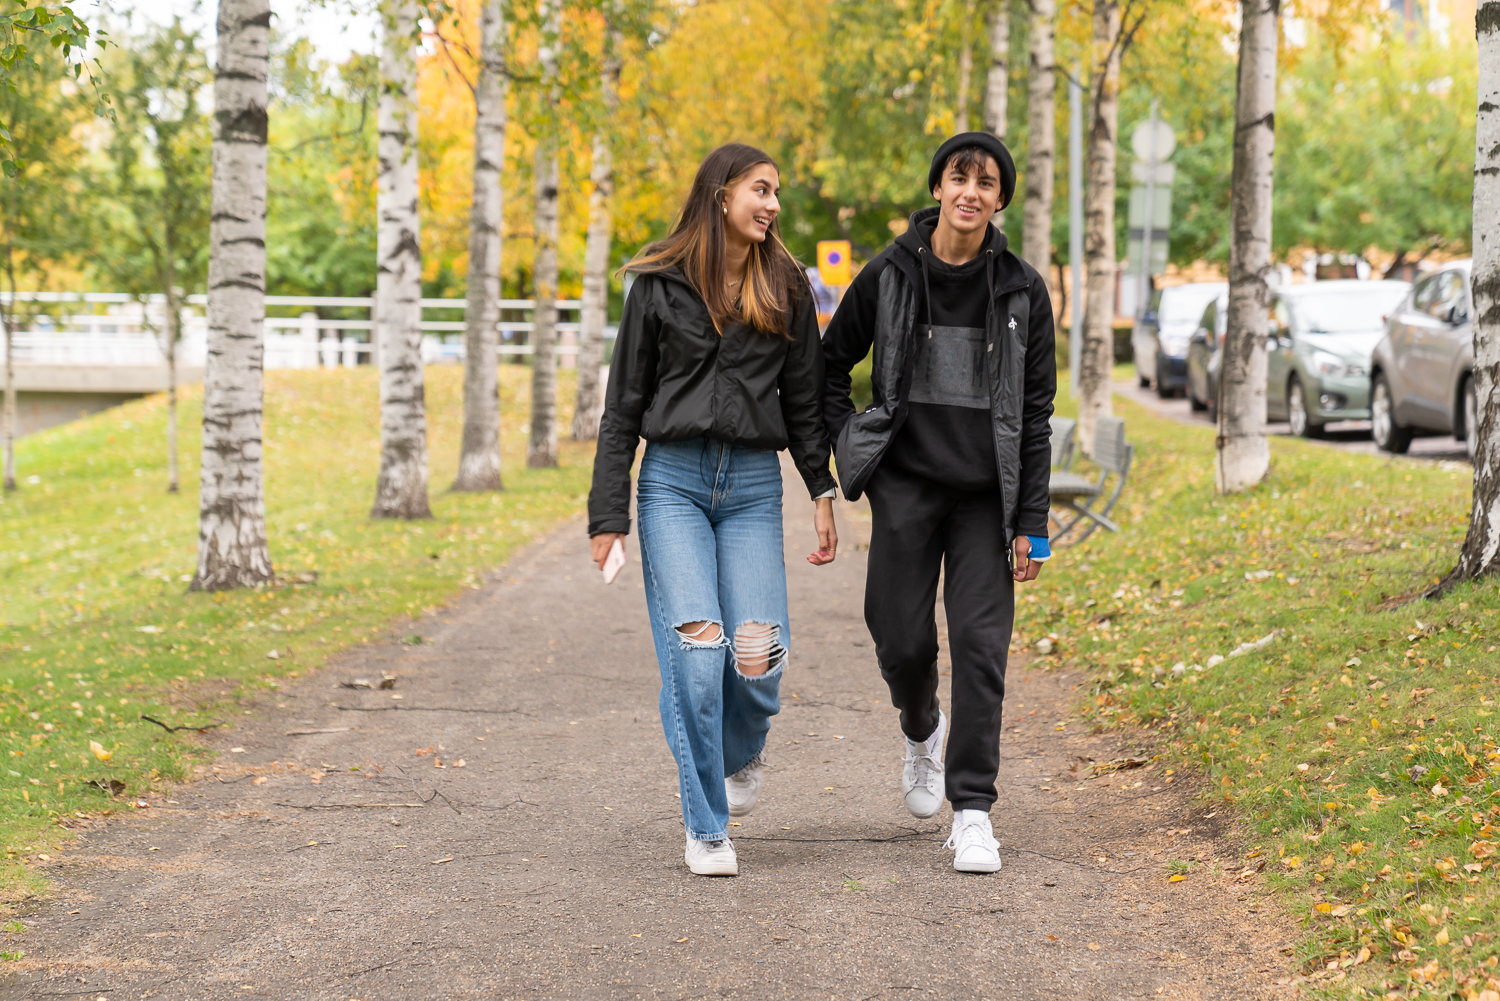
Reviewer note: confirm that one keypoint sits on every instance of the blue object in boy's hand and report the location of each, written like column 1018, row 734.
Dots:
column 1041, row 548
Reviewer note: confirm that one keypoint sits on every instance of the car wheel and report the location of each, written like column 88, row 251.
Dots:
column 1296, row 411
column 1197, row 405
column 1471, row 417
column 1145, row 381
column 1161, row 386
column 1389, row 436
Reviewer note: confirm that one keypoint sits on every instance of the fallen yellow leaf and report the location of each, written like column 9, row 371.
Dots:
column 1364, row 955
column 1177, row 878
column 681, row 940
column 440, row 861
column 1442, row 936
column 1322, row 908
column 1094, row 946
column 99, row 751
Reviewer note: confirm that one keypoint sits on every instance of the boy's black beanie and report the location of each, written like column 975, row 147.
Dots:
column 991, row 145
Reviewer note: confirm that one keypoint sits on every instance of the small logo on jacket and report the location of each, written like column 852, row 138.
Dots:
column 1012, row 323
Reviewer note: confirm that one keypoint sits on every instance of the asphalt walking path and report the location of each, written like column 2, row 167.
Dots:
column 503, row 824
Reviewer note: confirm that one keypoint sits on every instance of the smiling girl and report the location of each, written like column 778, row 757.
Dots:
column 718, row 366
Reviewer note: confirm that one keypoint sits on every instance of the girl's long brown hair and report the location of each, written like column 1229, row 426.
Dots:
column 773, row 278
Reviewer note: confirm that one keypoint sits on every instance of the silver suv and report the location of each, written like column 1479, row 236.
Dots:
column 1421, row 376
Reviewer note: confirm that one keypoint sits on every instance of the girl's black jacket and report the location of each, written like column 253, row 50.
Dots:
column 674, row 378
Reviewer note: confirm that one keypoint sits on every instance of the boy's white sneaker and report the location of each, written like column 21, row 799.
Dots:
column 711, row 858
column 973, row 842
column 922, row 772
column 743, row 787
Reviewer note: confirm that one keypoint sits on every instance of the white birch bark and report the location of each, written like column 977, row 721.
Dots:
column 1041, row 112
column 232, row 549
column 1481, row 550
column 9, row 460
column 997, row 84
column 174, row 336
column 1097, row 357
column 541, row 450
column 1244, row 453
column 590, row 407
column 479, row 458
column 401, row 490
column 965, row 74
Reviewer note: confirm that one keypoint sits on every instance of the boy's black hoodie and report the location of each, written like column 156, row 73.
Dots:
column 947, row 436
column 924, row 416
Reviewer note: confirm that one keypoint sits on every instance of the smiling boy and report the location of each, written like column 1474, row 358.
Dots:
column 955, row 454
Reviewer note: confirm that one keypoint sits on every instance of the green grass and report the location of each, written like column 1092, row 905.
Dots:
column 97, row 626
column 1316, row 738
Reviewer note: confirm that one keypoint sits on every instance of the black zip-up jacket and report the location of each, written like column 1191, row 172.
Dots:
column 674, row 378
column 884, row 307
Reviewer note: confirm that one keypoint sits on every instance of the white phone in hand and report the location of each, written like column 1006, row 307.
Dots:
column 614, row 562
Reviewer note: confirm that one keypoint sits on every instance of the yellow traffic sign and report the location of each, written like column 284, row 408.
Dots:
column 833, row 262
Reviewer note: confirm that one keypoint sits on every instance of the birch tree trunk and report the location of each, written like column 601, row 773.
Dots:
column 1041, row 112
column 401, row 490
column 1481, row 550
column 997, row 85
column 479, row 458
column 541, row 451
column 965, row 74
column 232, row 549
column 1244, row 453
column 9, row 460
column 596, row 252
column 174, row 335
column 1097, row 357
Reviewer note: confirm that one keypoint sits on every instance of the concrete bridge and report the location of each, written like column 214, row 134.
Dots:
column 80, row 353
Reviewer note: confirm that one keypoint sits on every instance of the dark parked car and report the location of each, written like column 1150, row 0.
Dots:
column 1160, row 338
column 1203, row 354
column 1318, row 351
column 1422, row 373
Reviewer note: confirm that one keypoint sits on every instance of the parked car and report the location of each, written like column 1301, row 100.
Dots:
column 1160, row 338
column 1318, row 351
column 1203, row 354
column 1421, row 376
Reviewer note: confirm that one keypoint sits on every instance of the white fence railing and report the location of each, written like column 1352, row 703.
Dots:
column 124, row 332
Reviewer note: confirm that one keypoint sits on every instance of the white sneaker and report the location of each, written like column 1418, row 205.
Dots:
column 973, row 842
column 743, row 787
column 922, row 773
column 711, row 858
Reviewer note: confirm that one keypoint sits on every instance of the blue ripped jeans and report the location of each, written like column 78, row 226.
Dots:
column 710, row 534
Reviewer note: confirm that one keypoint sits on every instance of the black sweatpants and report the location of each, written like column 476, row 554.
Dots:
column 920, row 527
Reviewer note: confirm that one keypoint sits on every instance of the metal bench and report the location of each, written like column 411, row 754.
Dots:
column 1064, row 441
column 1079, row 500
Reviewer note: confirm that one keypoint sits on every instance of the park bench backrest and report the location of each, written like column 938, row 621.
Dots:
column 1063, row 429
column 1110, row 451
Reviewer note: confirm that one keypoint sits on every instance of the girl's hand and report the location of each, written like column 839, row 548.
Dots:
column 828, row 534
column 600, row 544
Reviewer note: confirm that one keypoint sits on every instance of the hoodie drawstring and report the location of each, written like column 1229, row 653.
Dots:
column 926, row 287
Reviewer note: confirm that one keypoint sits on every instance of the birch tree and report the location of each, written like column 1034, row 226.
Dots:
column 401, row 490
column 965, row 69
column 1481, row 550
column 1244, row 454
column 1096, row 361
column 997, row 83
column 1041, row 111
column 479, row 458
column 232, row 550
column 154, row 211
column 596, row 249
column 541, row 451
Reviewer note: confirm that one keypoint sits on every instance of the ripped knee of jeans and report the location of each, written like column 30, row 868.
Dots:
column 757, row 648
column 701, row 635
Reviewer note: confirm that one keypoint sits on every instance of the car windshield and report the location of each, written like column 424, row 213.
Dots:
column 1184, row 303
column 1347, row 310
